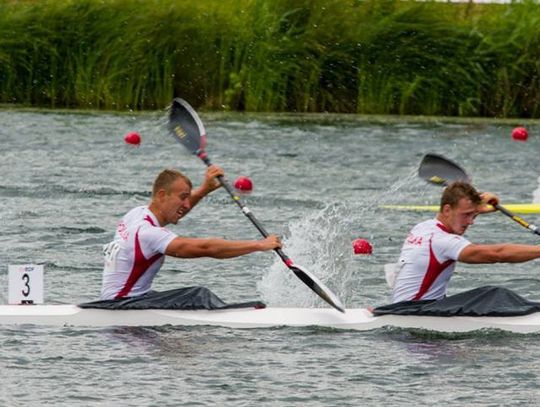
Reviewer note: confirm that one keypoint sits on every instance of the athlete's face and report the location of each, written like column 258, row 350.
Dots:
column 176, row 203
column 458, row 219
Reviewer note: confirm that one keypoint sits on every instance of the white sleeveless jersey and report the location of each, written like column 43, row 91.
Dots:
column 135, row 256
column 427, row 261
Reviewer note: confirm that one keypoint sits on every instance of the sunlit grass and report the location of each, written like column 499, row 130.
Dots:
column 375, row 57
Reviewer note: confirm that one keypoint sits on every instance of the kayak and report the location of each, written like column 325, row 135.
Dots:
column 530, row 208
column 353, row 319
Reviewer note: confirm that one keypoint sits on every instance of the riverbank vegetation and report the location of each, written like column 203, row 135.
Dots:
column 345, row 56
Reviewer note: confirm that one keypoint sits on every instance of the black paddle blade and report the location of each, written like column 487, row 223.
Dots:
column 439, row 170
column 318, row 287
column 186, row 126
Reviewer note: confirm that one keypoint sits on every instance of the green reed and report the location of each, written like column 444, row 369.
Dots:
column 372, row 56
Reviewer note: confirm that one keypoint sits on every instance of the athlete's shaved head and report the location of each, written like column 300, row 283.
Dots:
column 166, row 178
column 454, row 192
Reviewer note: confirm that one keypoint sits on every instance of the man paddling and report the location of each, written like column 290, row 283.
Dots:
column 431, row 249
column 141, row 240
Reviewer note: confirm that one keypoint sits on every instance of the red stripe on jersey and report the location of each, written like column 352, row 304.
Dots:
column 435, row 268
column 140, row 265
column 149, row 219
column 443, row 228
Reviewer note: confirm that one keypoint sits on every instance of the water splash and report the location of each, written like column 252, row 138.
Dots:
column 321, row 243
column 314, row 243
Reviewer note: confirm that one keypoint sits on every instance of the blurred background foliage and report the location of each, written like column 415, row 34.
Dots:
column 348, row 56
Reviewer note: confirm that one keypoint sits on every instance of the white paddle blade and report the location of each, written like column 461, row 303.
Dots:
column 318, row 287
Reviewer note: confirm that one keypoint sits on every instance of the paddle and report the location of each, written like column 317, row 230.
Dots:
column 187, row 128
column 439, row 170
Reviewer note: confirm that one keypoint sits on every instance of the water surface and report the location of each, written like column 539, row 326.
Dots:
column 67, row 178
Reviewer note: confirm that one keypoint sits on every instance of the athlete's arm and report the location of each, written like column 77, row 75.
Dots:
column 210, row 184
column 186, row 247
column 499, row 253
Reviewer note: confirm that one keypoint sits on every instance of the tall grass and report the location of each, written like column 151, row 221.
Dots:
column 372, row 56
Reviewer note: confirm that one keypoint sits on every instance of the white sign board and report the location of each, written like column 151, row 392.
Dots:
column 25, row 284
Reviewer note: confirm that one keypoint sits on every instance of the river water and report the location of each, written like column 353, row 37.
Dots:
column 318, row 182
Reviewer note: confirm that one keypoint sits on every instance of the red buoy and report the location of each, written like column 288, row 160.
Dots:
column 362, row 246
column 520, row 134
column 243, row 184
column 132, row 138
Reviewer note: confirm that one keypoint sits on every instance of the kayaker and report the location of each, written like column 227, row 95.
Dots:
column 141, row 240
column 431, row 249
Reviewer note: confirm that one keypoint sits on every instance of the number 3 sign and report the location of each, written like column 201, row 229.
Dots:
column 25, row 284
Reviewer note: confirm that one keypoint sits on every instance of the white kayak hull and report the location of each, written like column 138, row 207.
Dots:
column 354, row 319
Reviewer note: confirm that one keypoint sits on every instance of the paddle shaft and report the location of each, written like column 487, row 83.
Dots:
column 245, row 210
column 517, row 219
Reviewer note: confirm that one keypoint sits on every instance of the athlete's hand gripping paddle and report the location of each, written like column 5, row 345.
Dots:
column 439, row 170
column 187, row 128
